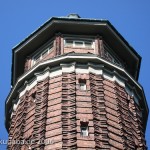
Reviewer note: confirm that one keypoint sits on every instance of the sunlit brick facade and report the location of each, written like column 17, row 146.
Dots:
column 75, row 86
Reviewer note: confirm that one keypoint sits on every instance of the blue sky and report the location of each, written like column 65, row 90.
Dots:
column 20, row 18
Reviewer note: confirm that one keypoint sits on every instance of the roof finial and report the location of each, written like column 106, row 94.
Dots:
column 73, row 15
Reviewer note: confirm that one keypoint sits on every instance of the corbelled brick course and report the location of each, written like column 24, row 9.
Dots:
column 60, row 106
column 80, row 96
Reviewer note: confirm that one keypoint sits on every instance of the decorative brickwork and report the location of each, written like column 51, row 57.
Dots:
column 53, row 123
column 74, row 91
column 18, row 124
column 56, row 107
column 58, row 44
column 136, row 124
column 69, row 111
column 99, row 112
column 40, row 114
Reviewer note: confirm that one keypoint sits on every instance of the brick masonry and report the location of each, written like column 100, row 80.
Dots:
column 54, row 109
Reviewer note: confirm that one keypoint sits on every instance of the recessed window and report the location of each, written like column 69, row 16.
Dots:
column 42, row 54
column 68, row 42
column 110, row 56
column 37, row 59
column 81, row 43
column 33, row 96
column 82, row 84
column 45, row 52
column 84, row 129
column 78, row 43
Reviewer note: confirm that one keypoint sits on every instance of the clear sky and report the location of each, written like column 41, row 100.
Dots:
column 19, row 18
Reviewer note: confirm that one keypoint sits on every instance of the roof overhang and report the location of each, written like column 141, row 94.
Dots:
column 75, row 26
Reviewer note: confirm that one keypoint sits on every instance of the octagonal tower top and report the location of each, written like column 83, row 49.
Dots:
column 74, row 25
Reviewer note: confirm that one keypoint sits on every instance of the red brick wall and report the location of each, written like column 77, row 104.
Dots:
column 59, row 49
column 113, row 117
column 78, row 50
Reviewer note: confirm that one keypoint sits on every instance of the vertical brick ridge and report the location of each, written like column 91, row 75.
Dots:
column 137, row 130
column 19, row 124
column 112, row 114
column 58, row 44
column 101, row 47
column 124, row 118
column 11, row 130
column 99, row 113
column 26, row 64
column 40, row 114
column 69, row 111
column 24, row 111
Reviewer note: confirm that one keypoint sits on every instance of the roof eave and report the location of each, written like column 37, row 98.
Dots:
column 33, row 35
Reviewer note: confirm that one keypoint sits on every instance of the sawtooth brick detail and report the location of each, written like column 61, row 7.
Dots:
column 54, row 109
column 83, row 94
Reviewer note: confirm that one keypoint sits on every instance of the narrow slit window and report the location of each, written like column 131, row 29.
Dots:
column 84, row 129
column 82, row 84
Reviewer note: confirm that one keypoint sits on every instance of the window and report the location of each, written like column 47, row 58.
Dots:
column 81, row 43
column 82, row 84
column 45, row 52
column 32, row 100
column 110, row 56
column 84, row 129
column 42, row 54
column 37, row 59
column 33, row 96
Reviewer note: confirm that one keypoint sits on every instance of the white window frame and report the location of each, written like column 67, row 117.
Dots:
column 40, row 54
column 83, row 41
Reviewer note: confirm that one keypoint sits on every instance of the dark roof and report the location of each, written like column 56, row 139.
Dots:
column 58, row 25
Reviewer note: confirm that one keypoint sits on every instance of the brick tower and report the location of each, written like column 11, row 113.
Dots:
column 75, row 86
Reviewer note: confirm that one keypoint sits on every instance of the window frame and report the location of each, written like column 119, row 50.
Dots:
column 110, row 53
column 45, row 50
column 84, row 129
column 82, row 84
column 81, row 40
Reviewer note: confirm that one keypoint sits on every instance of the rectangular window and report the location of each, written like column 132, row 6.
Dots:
column 42, row 54
column 78, row 44
column 82, row 84
column 88, row 44
column 84, row 129
column 81, row 43
column 45, row 53
column 69, row 42
column 37, row 59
